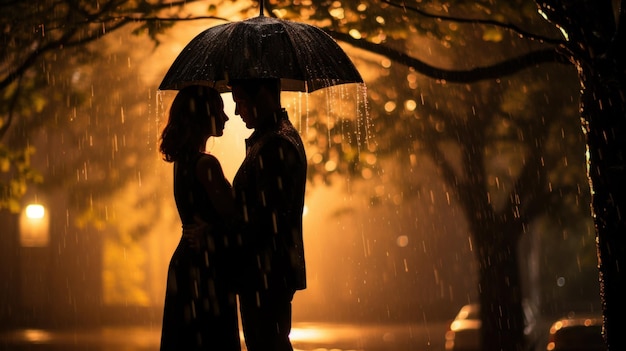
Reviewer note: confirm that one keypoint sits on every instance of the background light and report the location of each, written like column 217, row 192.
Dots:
column 35, row 211
column 34, row 226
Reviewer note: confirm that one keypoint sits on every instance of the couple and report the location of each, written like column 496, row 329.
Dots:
column 250, row 244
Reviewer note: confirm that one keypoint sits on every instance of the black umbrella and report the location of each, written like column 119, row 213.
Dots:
column 304, row 57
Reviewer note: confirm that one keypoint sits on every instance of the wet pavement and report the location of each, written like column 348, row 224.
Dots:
column 305, row 337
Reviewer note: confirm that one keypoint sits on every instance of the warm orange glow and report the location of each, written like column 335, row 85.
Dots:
column 34, row 226
column 390, row 106
column 402, row 241
column 35, row 211
column 410, row 105
column 230, row 148
column 308, row 334
column 556, row 326
column 36, row 336
column 355, row 34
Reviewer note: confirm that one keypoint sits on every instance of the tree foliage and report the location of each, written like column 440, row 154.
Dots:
column 587, row 41
column 45, row 45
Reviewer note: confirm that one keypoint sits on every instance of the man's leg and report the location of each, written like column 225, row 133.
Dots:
column 266, row 320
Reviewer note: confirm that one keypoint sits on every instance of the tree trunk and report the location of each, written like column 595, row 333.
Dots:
column 603, row 111
column 500, row 290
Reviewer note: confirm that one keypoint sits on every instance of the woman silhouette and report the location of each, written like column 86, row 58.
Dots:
column 200, row 311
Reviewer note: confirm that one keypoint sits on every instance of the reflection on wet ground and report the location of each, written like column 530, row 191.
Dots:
column 305, row 337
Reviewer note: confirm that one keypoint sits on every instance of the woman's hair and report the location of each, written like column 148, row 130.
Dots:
column 189, row 122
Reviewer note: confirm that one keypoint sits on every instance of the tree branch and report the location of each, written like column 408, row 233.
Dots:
column 65, row 39
column 507, row 26
column 498, row 70
column 165, row 19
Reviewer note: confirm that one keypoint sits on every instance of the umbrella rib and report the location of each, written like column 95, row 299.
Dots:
column 301, row 64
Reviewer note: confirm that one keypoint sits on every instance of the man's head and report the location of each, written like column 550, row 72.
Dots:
column 257, row 100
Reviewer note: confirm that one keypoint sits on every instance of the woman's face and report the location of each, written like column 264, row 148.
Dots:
column 217, row 116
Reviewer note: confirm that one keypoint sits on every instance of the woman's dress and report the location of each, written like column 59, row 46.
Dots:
column 200, row 311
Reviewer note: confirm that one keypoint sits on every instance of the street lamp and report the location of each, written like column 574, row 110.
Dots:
column 34, row 226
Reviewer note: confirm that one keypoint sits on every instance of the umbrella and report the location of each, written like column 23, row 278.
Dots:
column 303, row 56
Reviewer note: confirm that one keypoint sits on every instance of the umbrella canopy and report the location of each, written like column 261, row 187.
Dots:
column 304, row 57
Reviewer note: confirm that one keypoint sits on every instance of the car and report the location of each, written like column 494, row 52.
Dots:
column 576, row 333
column 464, row 331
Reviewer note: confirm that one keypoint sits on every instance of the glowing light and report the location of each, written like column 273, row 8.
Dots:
column 309, row 334
column 37, row 335
column 355, row 34
column 338, row 13
column 370, row 159
column 390, row 106
column 35, row 211
column 317, row 158
column 34, row 226
column 367, row 173
column 402, row 241
column 410, row 105
column 330, row 166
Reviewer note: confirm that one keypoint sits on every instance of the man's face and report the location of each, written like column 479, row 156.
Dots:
column 245, row 107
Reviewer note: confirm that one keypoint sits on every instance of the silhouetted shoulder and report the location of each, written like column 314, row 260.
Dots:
column 209, row 169
column 210, row 174
column 208, row 160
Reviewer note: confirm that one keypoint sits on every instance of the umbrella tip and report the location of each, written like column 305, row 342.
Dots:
column 260, row 8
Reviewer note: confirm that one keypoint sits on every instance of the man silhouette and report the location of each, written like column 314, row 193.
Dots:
column 269, row 190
